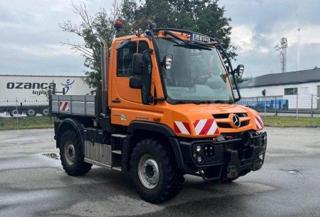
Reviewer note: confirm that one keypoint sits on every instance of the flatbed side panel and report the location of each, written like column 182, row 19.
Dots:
column 83, row 105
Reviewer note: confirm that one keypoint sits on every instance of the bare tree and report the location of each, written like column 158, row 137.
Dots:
column 90, row 30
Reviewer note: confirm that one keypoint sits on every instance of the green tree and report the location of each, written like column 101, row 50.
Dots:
column 203, row 16
column 91, row 29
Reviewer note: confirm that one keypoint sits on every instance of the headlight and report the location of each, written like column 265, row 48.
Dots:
column 198, row 148
column 203, row 152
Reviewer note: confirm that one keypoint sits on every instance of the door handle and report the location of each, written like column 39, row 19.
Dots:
column 116, row 100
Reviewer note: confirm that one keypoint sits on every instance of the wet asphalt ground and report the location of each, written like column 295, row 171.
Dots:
column 33, row 184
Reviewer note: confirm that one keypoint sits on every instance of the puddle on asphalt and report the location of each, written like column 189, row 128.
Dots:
column 292, row 171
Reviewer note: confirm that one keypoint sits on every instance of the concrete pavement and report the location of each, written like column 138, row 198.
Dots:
column 33, row 184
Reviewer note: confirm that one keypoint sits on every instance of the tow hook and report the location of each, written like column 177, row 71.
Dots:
column 203, row 175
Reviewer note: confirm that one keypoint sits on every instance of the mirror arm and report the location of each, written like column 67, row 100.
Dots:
column 223, row 52
column 230, row 69
column 237, row 88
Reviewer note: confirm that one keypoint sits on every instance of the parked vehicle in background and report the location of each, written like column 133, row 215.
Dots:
column 29, row 93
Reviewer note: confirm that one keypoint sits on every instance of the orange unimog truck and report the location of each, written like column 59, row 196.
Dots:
column 167, row 108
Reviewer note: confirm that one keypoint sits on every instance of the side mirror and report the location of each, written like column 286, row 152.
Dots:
column 135, row 83
column 137, row 64
column 142, row 68
column 167, row 62
column 239, row 71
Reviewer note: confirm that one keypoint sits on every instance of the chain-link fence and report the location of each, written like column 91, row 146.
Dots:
column 298, row 105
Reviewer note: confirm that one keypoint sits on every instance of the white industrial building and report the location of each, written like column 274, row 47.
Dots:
column 300, row 89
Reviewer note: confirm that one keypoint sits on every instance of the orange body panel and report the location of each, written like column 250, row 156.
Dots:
column 126, row 104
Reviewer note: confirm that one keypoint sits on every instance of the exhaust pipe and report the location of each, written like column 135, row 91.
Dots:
column 118, row 24
column 104, row 77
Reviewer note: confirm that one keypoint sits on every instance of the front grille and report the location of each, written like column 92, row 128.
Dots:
column 223, row 125
column 242, row 115
column 219, row 116
column 244, row 123
column 223, row 120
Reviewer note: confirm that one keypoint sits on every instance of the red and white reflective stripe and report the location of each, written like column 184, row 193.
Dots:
column 181, row 127
column 206, row 127
column 64, row 106
column 259, row 122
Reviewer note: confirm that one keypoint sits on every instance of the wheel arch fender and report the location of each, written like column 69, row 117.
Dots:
column 151, row 129
column 67, row 124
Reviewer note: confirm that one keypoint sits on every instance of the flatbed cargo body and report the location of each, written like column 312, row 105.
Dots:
column 29, row 93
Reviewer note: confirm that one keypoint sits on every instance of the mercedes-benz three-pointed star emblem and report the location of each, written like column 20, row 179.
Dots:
column 236, row 120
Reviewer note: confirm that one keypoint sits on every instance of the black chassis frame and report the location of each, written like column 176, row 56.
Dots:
column 232, row 157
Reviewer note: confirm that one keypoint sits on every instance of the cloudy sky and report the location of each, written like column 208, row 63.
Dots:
column 31, row 40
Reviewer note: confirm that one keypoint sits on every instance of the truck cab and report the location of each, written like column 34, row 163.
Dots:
column 167, row 108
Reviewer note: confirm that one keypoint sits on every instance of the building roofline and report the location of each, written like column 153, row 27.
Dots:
column 280, row 84
column 286, row 78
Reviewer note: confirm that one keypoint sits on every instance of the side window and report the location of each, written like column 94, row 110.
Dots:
column 125, row 57
column 142, row 46
column 290, row 91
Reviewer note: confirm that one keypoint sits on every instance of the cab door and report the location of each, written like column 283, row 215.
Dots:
column 123, row 95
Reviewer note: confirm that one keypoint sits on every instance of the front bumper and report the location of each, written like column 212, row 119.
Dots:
column 226, row 159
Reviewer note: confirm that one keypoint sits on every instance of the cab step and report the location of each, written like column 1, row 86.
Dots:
column 116, row 144
column 103, row 152
column 118, row 169
column 122, row 136
column 118, row 152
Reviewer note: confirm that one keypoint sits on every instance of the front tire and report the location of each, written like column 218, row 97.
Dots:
column 154, row 173
column 70, row 155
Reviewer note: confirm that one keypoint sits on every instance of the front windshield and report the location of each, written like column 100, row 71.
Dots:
column 196, row 74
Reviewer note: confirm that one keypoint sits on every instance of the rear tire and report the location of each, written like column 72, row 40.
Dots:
column 154, row 173
column 31, row 112
column 45, row 112
column 70, row 154
column 14, row 113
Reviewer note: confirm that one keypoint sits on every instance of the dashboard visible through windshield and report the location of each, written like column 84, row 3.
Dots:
column 196, row 73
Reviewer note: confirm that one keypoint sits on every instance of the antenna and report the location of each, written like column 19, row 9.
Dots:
column 282, row 48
